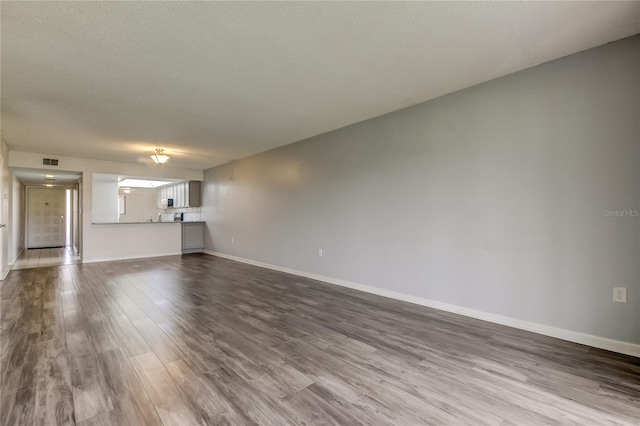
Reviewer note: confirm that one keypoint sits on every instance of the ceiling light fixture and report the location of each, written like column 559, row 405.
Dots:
column 160, row 157
column 48, row 185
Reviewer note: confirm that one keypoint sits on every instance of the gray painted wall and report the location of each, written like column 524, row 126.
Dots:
column 491, row 198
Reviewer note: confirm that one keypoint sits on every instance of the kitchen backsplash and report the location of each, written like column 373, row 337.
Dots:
column 191, row 214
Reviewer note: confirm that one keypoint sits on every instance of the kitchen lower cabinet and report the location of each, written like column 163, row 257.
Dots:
column 192, row 237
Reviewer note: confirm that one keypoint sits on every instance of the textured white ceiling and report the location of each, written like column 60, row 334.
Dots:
column 215, row 81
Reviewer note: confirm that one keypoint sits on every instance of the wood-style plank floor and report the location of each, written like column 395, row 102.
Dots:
column 188, row 340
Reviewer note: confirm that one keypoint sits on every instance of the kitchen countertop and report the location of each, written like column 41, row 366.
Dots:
column 146, row 223
column 134, row 223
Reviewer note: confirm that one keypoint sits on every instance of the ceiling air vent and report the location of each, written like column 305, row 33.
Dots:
column 50, row 161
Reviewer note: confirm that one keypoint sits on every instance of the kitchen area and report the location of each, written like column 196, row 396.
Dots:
column 162, row 204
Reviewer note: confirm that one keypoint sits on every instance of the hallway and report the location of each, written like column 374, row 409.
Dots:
column 55, row 256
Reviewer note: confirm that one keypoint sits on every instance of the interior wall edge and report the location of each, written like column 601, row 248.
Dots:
column 619, row 346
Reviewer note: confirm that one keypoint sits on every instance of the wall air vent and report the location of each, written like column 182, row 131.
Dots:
column 50, row 161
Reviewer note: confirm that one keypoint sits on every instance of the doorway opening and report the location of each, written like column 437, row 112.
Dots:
column 48, row 225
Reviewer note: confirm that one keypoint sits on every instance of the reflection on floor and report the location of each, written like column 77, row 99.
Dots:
column 39, row 258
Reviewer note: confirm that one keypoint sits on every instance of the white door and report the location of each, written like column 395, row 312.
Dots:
column 45, row 222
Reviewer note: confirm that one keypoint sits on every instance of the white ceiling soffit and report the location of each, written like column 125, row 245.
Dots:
column 215, row 81
column 42, row 177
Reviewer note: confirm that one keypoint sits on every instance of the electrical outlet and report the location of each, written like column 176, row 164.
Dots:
column 320, row 252
column 620, row 294
column 233, row 240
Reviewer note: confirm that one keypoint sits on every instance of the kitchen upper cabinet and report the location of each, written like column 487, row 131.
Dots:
column 194, row 191
column 184, row 194
column 162, row 197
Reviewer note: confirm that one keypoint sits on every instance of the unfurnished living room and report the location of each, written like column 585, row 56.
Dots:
column 313, row 213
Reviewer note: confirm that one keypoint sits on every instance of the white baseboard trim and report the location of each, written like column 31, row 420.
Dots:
column 560, row 333
column 111, row 259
